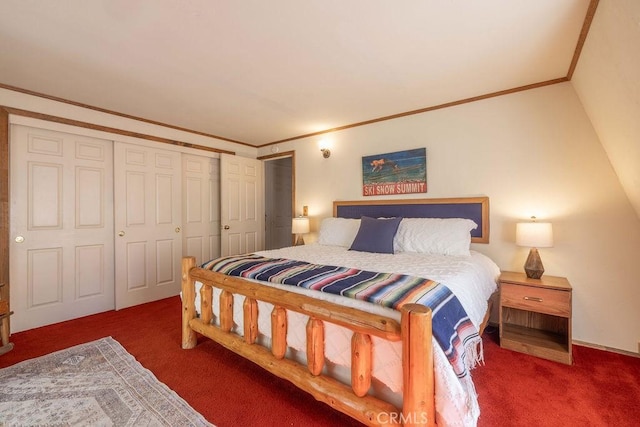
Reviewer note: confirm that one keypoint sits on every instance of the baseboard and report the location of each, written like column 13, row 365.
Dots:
column 605, row 348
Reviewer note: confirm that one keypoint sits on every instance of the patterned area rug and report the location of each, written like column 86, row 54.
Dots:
column 93, row 384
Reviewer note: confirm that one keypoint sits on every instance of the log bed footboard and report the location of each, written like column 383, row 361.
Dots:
column 414, row 331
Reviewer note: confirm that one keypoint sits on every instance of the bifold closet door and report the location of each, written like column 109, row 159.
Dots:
column 61, row 226
column 148, row 221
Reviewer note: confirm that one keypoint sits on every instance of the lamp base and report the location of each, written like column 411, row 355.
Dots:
column 533, row 267
column 299, row 240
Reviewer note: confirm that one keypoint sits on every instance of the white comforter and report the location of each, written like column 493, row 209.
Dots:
column 472, row 279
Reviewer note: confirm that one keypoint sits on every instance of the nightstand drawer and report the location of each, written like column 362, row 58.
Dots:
column 539, row 300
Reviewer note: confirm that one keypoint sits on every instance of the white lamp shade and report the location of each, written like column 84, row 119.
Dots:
column 300, row 225
column 534, row 234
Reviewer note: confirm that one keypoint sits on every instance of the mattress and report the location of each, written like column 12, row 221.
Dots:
column 471, row 278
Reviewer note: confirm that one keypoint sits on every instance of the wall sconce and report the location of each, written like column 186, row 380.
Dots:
column 299, row 226
column 324, row 147
column 534, row 235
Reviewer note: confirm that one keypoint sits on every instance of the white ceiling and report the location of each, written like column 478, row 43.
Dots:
column 260, row 71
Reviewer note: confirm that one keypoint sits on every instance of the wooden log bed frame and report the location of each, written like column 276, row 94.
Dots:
column 414, row 329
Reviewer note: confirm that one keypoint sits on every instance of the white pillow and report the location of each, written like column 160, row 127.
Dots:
column 338, row 231
column 443, row 236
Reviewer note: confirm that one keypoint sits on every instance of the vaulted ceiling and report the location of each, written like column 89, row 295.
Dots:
column 262, row 71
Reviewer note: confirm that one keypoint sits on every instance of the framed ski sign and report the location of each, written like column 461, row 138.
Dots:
column 401, row 172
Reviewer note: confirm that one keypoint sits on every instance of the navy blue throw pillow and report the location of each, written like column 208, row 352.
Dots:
column 376, row 235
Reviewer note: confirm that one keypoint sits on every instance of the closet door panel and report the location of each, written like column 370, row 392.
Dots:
column 136, row 255
column 61, row 226
column 201, row 207
column 89, row 197
column 44, row 278
column 135, row 204
column 148, row 223
column 90, row 271
column 242, row 208
column 165, row 257
column 45, row 196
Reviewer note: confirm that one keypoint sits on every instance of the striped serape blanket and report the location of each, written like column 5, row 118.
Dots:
column 452, row 328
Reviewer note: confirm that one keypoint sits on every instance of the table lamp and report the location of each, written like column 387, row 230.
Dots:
column 300, row 226
column 534, row 235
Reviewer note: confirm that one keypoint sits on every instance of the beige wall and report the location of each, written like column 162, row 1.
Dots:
column 36, row 104
column 532, row 153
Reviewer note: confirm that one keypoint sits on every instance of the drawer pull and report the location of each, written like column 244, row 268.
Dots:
column 536, row 299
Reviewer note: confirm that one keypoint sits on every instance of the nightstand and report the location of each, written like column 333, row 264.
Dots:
column 535, row 316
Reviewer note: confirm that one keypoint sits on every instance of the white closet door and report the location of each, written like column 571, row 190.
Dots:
column 61, row 226
column 148, row 217
column 242, row 207
column 200, row 207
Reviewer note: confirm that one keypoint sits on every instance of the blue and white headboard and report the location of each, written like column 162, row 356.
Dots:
column 473, row 208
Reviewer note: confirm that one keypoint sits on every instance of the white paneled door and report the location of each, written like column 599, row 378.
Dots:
column 242, row 207
column 148, row 221
column 61, row 226
column 200, row 207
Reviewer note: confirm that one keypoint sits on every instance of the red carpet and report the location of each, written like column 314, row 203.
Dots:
column 600, row 389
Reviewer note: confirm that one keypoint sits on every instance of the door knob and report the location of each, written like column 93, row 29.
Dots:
column 19, row 239
column 226, row 227
column 121, row 233
column 177, row 229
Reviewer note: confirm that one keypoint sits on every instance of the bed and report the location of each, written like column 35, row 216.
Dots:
column 376, row 364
